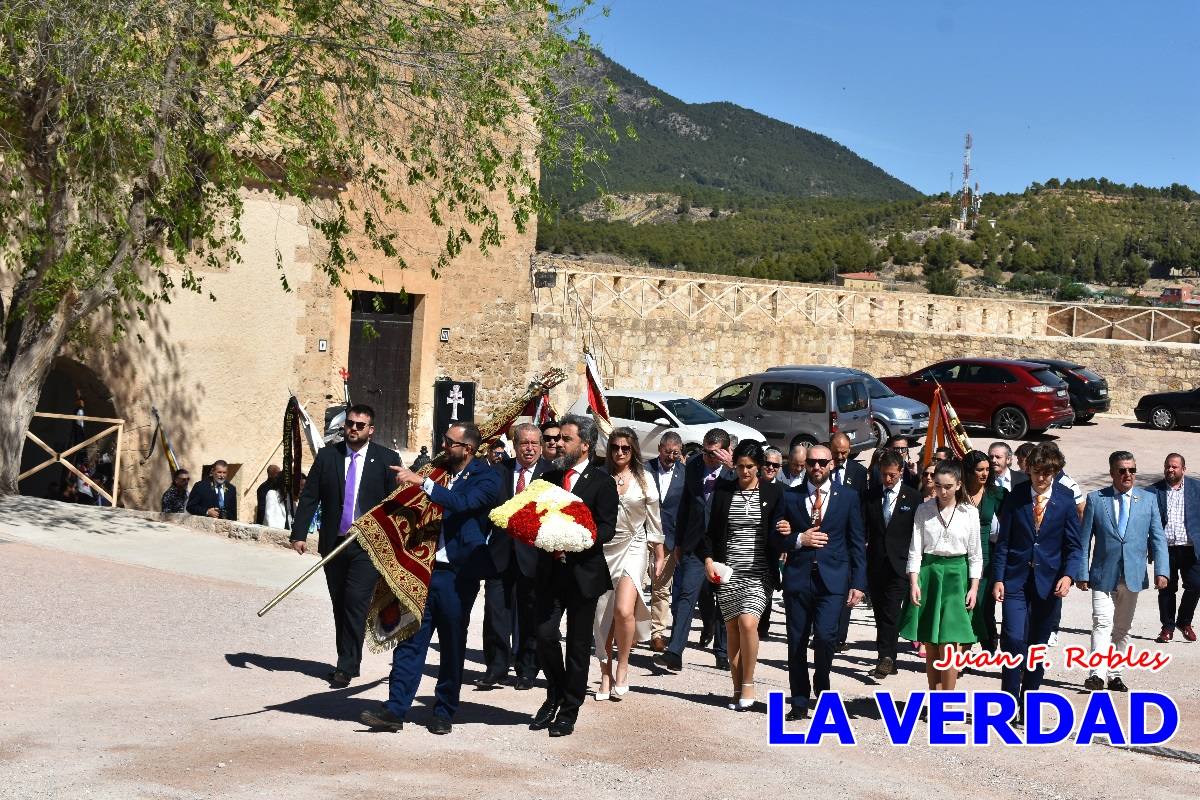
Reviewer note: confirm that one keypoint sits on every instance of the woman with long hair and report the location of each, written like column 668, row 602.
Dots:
column 738, row 531
column 944, row 567
column 622, row 616
column 987, row 497
column 926, row 486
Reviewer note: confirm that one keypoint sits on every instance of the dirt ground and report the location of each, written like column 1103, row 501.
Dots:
column 133, row 665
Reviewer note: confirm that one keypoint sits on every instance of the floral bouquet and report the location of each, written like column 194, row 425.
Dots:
column 548, row 517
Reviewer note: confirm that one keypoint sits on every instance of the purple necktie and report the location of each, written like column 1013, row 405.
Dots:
column 348, row 502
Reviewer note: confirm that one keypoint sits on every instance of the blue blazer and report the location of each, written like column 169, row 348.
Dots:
column 1191, row 508
column 1143, row 535
column 1049, row 554
column 465, row 509
column 204, row 497
column 670, row 502
column 842, row 562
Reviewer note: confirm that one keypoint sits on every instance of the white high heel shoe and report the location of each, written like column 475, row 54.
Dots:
column 619, row 691
column 743, row 704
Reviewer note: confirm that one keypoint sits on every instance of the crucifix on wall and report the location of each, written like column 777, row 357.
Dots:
column 453, row 402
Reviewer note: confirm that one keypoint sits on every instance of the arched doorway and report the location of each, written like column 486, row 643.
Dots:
column 70, row 387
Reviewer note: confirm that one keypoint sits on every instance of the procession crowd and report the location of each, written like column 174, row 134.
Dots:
column 936, row 549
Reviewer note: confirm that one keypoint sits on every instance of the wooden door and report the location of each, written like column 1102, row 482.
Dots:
column 381, row 326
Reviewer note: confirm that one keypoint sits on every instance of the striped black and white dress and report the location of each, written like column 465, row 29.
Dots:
column 747, row 554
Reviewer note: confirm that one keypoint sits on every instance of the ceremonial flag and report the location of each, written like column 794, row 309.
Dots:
column 164, row 443
column 597, row 402
column 311, row 432
column 945, row 430
column 293, row 450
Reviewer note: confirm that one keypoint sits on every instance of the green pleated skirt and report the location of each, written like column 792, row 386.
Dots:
column 942, row 617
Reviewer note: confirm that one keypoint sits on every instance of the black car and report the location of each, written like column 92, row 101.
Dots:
column 1169, row 410
column 1087, row 390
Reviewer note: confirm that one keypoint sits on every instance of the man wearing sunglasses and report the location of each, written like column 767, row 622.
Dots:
column 346, row 480
column 821, row 531
column 460, row 562
column 551, row 441
column 666, row 472
column 1123, row 521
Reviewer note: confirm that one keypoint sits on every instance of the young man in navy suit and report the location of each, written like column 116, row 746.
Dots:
column 1179, row 507
column 461, row 561
column 1123, row 522
column 346, row 480
column 1036, row 558
column 666, row 472
column 821, row 532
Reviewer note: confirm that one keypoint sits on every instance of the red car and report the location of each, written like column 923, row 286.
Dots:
column 1012, row 398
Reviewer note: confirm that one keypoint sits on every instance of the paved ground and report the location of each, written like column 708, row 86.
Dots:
column 133, row 665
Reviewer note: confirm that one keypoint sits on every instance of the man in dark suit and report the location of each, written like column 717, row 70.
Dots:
column 889, row 507
column 214, row 497
column 1037, row 557
column 460, row 562
column 1001, row 456
column 346, row 480
column 260, row 509
column 570, row 583
column 1179, row 507
column 666, row 472
column 822, row 534
column 700, row 478
column 508, row 590
column 846, row 472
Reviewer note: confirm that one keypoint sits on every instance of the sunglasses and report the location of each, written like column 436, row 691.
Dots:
column 771, row 465
column 552, row 438
column 927, row 474
column 448, row 442
column 1127, row 470
column 712, row 453
column 621, row 448
column 818, row 462
column 355, row 424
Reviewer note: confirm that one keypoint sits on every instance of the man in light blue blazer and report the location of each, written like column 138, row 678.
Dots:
column 1124, row 523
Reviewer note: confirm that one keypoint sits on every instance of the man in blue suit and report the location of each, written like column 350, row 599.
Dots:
column 1125, row 524
column 1036, row 558
column 666, row 472
column 462, row 559
column 699, row 480
column 1179, row 509
column 821, row 532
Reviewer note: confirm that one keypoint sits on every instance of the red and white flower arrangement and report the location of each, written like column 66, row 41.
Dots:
column 548, row 517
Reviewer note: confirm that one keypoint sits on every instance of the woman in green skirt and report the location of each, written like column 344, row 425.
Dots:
column 944, row 566
column 986, row 496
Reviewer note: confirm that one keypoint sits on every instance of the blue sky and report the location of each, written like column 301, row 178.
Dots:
column 1048, row 89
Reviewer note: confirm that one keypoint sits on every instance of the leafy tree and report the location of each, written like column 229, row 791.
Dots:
column 942, row 281
column 1025, row 259
column 1137, row 270
column 128, row 129
column 941, row 252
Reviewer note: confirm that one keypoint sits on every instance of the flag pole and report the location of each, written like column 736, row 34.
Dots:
column 309, row 573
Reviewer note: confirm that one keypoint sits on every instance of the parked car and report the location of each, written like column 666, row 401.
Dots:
column 793, row 405
column 1087, row 390
column 1169, row 410
column 651, row 414
column 891, row 414
column 1013, row 398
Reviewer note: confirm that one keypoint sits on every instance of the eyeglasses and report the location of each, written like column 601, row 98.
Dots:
column 552, row 438
column 772, row 465
column 1127, row 470
column 673, row 453
column 448, row 442
column 818, row 462
column 356, row 424
column 621, row 448
column 711, row 453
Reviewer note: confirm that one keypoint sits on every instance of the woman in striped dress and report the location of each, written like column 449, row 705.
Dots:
column 743, row 513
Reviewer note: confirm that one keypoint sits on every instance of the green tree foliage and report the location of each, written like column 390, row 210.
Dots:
column 942, row 281
column 128, row 129
column 1137, row 270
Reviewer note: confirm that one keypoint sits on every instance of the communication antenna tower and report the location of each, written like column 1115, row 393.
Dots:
column 966, row 186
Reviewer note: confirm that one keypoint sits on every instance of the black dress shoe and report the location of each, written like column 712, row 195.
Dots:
column 668, row 661
column 382, row 719
column 885, row 667
column 544, row 716
column 1117, row 685
column 524, row 684
column 440, row 726
column 562, row 727
column 796, row 714
column 1094, row 683
column 339, row 679
column 489, row 680
column 706, row 636
column 722, row 663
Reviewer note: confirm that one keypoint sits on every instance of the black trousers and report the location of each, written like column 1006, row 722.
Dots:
column 566, row 672
column 351, row 578
column 1183, row 565
column 509, row 631
column 888, row 590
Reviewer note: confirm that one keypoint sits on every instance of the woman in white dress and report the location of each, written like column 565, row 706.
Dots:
column 622, row 616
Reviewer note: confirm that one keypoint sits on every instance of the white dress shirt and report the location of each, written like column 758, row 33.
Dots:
column 959, row 537
column 811, row 500
column 1004, row 480
column 427, row 487
column 662, row 476
column 516, row 475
